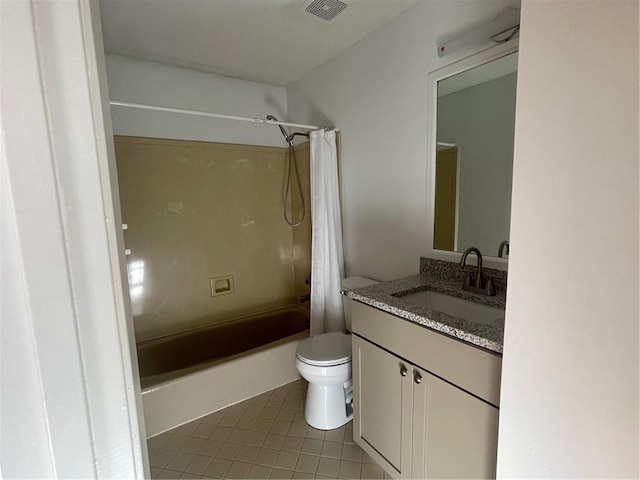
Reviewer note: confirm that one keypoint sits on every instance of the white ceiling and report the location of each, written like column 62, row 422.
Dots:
column 270, row 41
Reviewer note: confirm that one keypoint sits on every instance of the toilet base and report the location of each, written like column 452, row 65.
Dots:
column 326, row 406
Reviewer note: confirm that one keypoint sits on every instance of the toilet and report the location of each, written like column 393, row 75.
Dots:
column 325, row 362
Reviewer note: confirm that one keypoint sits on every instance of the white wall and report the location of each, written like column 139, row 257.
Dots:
column 569, row 405
column 138, row 81
column 480, row 121
column 376, row 93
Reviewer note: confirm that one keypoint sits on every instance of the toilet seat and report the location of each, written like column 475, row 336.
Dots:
column 325, row 350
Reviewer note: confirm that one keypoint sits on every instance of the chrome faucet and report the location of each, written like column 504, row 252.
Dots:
column 478, row 285
column 504, row 246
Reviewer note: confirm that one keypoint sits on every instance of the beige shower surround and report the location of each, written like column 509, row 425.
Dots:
column 197, row 210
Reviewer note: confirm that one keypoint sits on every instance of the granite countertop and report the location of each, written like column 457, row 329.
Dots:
column 386, row 296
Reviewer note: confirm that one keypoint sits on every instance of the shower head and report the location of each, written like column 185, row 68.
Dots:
column 284, row 132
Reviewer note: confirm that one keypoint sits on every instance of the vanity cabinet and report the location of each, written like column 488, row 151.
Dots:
column 413, row 415
column 383, row 387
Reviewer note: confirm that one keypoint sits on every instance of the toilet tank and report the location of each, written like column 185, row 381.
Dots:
column 351, row 283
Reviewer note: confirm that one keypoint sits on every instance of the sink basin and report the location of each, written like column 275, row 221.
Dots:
column 457, row 307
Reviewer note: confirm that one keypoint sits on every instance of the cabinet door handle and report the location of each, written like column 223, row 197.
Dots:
column 403, row 370
column 417, row 377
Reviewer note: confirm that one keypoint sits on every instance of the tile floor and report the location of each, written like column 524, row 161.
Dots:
column 263, row 437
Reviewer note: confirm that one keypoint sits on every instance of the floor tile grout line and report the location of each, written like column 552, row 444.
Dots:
column 287, row 410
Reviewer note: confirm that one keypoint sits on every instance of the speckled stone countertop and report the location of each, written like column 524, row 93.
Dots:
column 387, row 296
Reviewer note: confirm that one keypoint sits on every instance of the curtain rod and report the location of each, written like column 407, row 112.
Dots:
column 215, row 115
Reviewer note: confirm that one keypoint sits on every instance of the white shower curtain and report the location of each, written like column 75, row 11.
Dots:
column 327, row 263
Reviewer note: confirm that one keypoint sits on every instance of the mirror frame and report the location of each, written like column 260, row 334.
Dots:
column 435, row 76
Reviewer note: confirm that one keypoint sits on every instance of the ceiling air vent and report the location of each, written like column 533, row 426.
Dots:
column 326, row 9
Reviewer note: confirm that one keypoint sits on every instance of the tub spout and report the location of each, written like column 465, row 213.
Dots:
column 305, row 298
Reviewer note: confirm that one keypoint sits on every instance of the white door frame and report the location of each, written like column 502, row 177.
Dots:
column 63, row 271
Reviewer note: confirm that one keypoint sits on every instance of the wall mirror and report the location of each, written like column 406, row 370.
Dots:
column 472, row 117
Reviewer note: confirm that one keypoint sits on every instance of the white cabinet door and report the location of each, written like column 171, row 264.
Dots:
column 382, row 406
column 455, row 435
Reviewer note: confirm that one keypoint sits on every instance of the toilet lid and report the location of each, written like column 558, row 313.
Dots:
column 326, row 349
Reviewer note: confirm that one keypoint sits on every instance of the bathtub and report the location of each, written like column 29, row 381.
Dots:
column 187, row 375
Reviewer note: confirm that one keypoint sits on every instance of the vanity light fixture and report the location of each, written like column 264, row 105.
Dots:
column 501, row 29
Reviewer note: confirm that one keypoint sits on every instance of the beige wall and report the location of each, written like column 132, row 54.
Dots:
column 569, row 405
column 198, row 210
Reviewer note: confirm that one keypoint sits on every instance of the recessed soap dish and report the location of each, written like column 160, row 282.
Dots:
column 222, row 285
